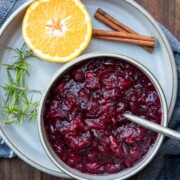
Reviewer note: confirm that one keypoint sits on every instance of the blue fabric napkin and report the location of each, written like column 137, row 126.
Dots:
column 166, row 165
column 7, row 7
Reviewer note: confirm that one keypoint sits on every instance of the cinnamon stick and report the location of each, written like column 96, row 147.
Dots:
column 114, row 24
column 97, row 32
column 126, row 40
column 120, row 25
column 106, row 21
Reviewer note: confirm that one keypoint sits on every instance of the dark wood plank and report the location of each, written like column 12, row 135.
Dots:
column 16, row 169
column 166, row 12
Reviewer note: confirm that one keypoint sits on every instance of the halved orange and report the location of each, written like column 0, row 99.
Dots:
column 57, row 30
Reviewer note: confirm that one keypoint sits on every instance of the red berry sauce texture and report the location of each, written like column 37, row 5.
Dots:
column 83, row 116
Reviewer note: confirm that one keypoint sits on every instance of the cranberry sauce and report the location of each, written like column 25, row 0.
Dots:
column 83, row 116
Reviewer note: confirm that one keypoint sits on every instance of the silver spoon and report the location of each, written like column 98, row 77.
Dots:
column 153, row 126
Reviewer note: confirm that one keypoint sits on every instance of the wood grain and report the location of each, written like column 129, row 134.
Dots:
column 166, row 12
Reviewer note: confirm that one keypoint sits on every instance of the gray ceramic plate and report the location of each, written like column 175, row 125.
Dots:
column 24, row 140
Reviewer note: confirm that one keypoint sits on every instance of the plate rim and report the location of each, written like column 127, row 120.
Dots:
column 154, row 23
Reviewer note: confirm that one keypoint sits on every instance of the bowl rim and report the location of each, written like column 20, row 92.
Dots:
column 123, row 174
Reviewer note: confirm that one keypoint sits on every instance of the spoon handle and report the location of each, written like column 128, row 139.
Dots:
column 153, row 126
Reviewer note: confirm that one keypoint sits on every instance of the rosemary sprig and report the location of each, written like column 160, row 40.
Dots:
column 16, row 105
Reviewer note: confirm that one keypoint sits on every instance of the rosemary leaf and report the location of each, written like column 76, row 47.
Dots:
column 17, row 107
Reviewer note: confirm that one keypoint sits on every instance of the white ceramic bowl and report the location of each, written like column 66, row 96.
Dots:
column 118, row 176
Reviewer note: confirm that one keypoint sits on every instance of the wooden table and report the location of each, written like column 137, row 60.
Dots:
column 165, row 11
